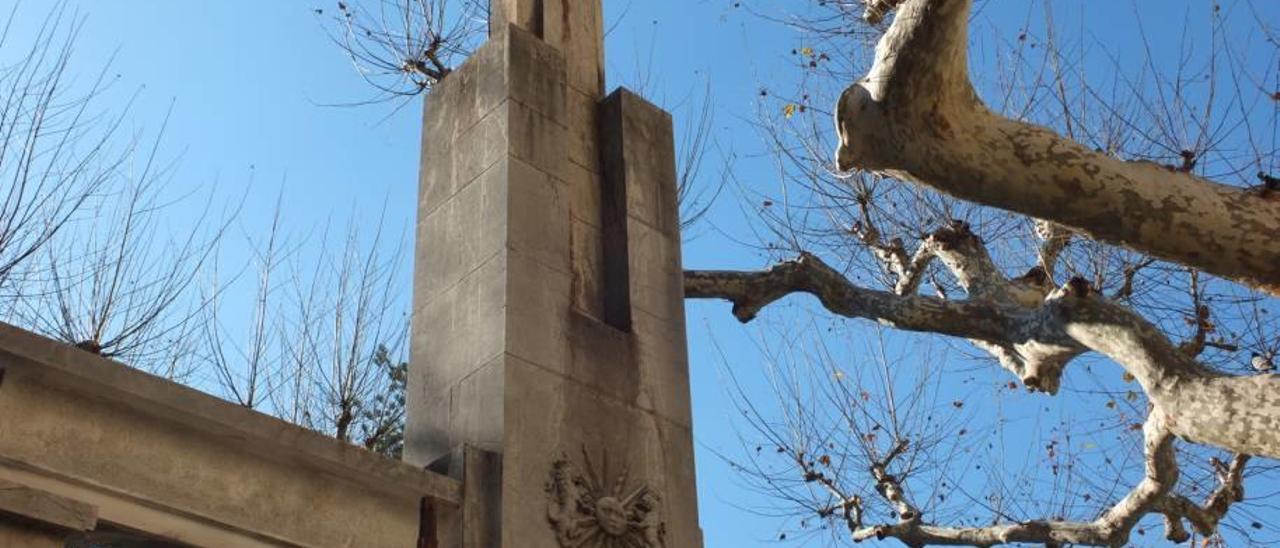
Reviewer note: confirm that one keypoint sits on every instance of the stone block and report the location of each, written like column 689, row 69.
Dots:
column 582, row 119
column 436, row 182
column 535, row 75
column 657, row 281
column 538, row 207
column 583, row 187
column 427, row 437
column 476, row 407
column 461, row 329
column 456, row 95
column 680, row 503
column 577, row 29
column 537, row 312
column 435, row 166
column 536, row 139
column 480, row 147
column 435, row 169
column 604, row 358
column 639, row 134
column 588, row 269
column 465, row 231
column 482, row 498
column 473, row 90
column 662, row 360
column 504, row 14
column 536, row 421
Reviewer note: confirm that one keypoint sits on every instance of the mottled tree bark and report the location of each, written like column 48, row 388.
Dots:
column 916, row 117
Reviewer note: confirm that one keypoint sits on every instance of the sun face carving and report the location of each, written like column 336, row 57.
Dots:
column 595, row 510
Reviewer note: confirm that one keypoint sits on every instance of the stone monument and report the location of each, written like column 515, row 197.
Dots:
column 549, row 369
column 548, row 391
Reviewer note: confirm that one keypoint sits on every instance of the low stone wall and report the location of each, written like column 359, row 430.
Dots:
column 153, row 456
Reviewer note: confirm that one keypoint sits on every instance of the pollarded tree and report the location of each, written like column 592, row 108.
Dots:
column 56, row 151
column 402, row 48
column 1039, row 292
column 323, row 344
column 91, row 255
column 79, row 256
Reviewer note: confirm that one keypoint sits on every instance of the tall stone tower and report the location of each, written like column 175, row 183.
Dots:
column 549, row 366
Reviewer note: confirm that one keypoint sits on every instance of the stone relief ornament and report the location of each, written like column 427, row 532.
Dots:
column 589, row 509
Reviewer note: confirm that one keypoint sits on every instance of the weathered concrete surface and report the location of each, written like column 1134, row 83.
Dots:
column 511, row 353
column 155, row 456
column 33, row 518
column 573, row 27
column 47, row 508
column 29, row 535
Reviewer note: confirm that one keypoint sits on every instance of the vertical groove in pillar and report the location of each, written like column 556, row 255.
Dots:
column 482, row 497
column 526, row 14
column 428, row 536
column 616, row 285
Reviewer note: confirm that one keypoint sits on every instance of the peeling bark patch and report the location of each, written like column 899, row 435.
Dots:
column 1021, row 146
column 1242, row 413
column 937, row 121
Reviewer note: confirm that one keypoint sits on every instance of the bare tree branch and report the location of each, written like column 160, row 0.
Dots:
column 751, row 291
column 1111, row 528
column 1205, row 517
column 1205, row 406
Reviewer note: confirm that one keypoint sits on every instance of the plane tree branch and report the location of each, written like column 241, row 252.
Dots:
column 1112, row 528
column 916, row 117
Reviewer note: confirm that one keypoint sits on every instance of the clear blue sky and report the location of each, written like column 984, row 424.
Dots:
column 249, row 80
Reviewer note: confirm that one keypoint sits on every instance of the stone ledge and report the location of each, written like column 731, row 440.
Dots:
column 139, row 446
column 46, row 508
column 167, row 401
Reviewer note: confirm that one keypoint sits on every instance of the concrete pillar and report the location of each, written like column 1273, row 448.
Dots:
column 576, row 29
column 532, row 340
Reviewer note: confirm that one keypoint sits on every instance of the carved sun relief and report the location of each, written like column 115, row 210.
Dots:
column 592, row 510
